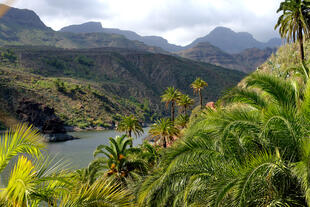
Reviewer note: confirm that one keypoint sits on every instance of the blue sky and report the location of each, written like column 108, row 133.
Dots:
column 179, row 21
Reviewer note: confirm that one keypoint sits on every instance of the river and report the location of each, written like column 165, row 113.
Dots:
column 80, row 152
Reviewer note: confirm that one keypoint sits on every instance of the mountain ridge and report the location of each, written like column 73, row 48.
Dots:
column 234, row 42
column 218, row 37
column 246, row 61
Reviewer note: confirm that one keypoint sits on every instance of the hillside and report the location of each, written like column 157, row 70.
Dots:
column 246, row 61
column 116, row 80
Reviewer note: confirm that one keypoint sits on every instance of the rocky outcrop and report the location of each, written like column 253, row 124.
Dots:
column 44, row 118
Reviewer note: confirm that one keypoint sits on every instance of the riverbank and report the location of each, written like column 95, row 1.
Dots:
column 97, row 128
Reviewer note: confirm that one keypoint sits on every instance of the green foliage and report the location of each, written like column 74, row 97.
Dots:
column 57, row 63
column 294, row 22
column 163, row 130
column 60, row 86
column 130, row 124
column 83, row 60
column 171, row 95
column 197, row 86
column 251, row 151
column 9, row 56
column 120, row 161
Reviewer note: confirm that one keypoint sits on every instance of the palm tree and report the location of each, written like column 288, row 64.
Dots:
column 184, row 101
column 181, row 121
column 253, row 151
column 197, row 86
column 171, row 95
column 118, row 162
column 163, row 129
column 294, row 22
column 102, row 193
column 33, row 180
column 130, row 124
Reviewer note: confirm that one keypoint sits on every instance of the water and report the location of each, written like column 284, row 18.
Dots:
column 80, row 152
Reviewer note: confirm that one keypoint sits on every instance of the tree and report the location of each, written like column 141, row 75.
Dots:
column 181, row 121
column 130, row 124
column 32, row 180
column 197, row 86
column 293, row 24
column 171, row 95
column 184, row 101
column 251, row 151
column 118, row 163
column 163, row 129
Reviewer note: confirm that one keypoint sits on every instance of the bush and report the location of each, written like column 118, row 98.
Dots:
column 9, row 56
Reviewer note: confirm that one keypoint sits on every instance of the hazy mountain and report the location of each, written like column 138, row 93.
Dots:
column 21, row 18
column 93, row 27
column 246, row 61
column 233, row 42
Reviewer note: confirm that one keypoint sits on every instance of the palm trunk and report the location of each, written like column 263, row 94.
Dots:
column 172, row 111
column 200, row 99
column 129, row 133
column 184, row 111
column 164, row 142
column 301, row 44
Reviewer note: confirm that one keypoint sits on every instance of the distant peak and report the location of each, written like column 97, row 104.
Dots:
column 98, row 24
column 87, row 27
column 222, row 30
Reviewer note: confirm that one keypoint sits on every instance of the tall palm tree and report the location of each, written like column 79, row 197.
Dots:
column 294, row 22
column 197, row 86
column 171, row 95
column 130, row 124
column 184, row 101
column 163, row 129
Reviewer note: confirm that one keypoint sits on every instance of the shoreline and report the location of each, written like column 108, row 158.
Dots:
column 77, row 129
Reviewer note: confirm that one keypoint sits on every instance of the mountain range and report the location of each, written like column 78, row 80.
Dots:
column 221, row 37
column 222, row 46
column 70, row 71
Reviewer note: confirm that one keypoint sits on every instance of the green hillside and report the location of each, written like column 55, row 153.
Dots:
column 90, row 87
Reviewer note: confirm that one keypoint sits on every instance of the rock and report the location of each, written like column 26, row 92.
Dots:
column 40, row 116
column 45, row 119
column 58, row 137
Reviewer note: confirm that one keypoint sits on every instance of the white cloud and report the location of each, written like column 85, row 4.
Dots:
column 179, row 21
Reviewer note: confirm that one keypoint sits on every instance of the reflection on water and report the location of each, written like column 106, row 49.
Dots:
column 80, row 152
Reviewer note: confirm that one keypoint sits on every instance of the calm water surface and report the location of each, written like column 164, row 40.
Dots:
column 80, row 152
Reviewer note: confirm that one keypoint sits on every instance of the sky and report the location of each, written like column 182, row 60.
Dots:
column 178, row 21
